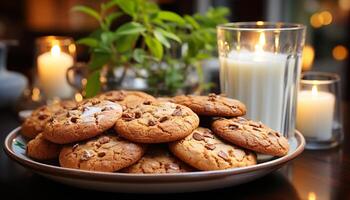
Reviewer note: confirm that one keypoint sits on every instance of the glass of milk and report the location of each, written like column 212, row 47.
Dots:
column 318, row 110
column 260, row 65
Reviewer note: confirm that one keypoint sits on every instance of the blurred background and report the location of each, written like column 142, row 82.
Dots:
column 327, row 44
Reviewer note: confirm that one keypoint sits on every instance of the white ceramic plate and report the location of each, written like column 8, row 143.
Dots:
column 15, row 146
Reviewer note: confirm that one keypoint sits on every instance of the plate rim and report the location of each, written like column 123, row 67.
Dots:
column 124, row 177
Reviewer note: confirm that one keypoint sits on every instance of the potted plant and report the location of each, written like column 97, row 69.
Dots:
column 161, row 47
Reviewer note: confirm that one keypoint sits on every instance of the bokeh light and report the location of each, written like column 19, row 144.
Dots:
column 340, row 52
column 344, row 5
column 308, row 57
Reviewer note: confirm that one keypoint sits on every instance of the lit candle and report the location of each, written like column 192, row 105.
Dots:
column 52, row 67
column 315, row 112
column 257, row 78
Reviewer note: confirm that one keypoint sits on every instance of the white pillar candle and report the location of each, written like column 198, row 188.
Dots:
column 315, row 112
column 52, row 67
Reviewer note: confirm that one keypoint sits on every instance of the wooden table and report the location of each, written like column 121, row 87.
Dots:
column 314, row 175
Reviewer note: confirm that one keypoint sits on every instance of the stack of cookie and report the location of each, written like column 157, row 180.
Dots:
column 133, row 132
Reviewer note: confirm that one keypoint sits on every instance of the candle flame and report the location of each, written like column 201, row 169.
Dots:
column 55, row 50
column 261, row 43
column 314, row 90
column 311, row 196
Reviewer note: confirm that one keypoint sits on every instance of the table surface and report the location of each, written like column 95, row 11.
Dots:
column 314, row 175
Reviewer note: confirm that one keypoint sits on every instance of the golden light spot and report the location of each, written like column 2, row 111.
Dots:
column 316, row 21
column 308, row 57
column 344, row 4
column 311, row 196
column 340, row 52
column 35, row 94
column 326, row 17
column 78, row 97
column 71, row 49
column 259, row 23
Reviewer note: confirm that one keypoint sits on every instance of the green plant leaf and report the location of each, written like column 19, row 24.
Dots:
column 161, row 38
column 169, row 35
column 111, row 17
column 128, row 6
column 93, row 84
column 192, row 21
column 87, row 10
column 108, row 5
column 88, row 41
column 139, row 55
column 107, row 38
column 154, row 46
column 171, row 16
column 130, row 28
column 98, row 59
column 126, row 42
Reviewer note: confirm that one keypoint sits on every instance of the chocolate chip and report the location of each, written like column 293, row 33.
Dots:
column 42, row 117
column 177, row 112
column 272, row 133
column 163, row 119
column 223, row 155
column 210, row 146
column 86, row 155
column 104, row 140
column 197, row 136
column 147, row 102
column 74, row 119
column 95, row 101
column 233, row 126
column 234, row 108
column 212, row 97
column 127, row 116
column 138, row 114
column 151, row 123
column 107, row 108
column 178, row 107
column 256, row 129
column 255, row 124
column 68, row 114
column 101, row 154
column 75, row 146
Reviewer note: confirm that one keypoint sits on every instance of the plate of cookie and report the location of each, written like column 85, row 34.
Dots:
column 130, row 141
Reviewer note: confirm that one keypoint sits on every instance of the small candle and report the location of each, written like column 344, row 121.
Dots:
column 315, row 112
column 52, row 67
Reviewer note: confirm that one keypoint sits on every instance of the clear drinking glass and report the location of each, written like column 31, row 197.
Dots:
column 260, row 65
column 54, row 55
column 319, row 116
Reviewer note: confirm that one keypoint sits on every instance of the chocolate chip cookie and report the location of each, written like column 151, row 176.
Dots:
column 36, row 122
column 88, row 119
column 41, row 149
column 205, row 151
column 212, row 105
column 158, row 160
column 127, row 99
column 157, row 122
column 106, row 153
column 251, row 135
